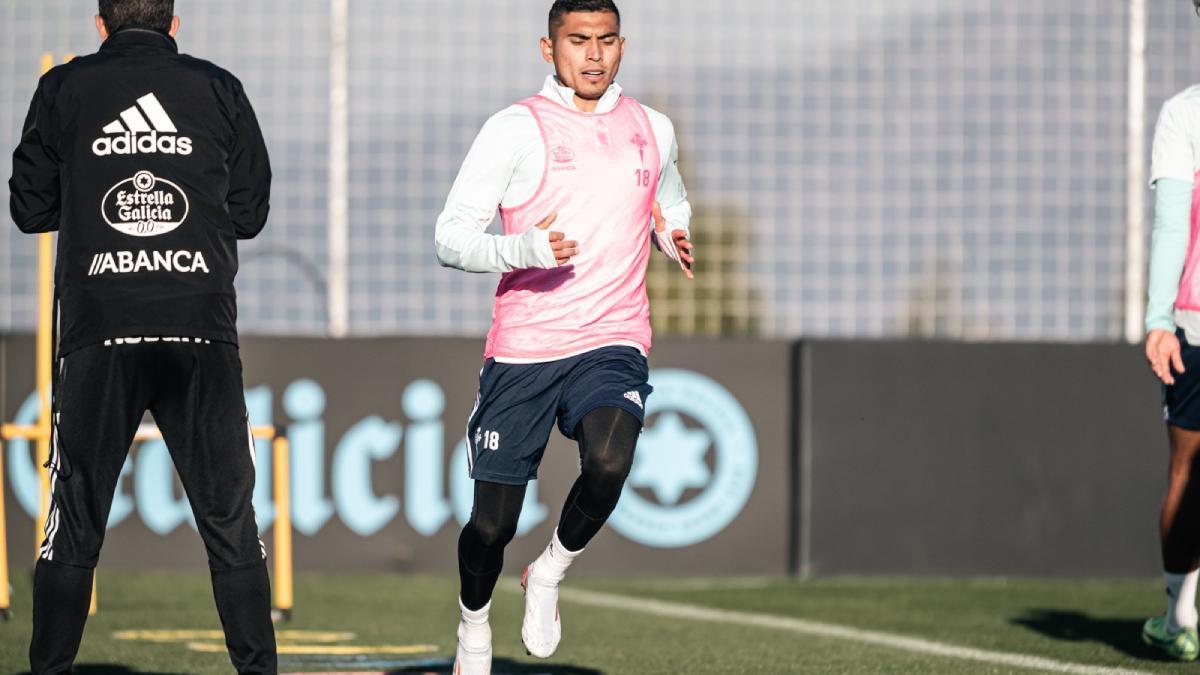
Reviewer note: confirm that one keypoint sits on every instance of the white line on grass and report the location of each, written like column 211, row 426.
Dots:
column 676, row 610
column 714, row 583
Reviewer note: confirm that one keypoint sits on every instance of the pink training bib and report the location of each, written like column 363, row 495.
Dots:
column 600, row 176
column 1189, row 295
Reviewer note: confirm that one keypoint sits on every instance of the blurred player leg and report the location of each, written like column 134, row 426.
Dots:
column 607, row 438
column 481, row 545
column 201, row 411
column 1179, row 529
column 98, row 403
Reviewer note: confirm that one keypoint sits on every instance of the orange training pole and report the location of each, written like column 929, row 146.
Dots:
column 283, row 528
column 5, row 603
column 44, row 368
column 45, row 354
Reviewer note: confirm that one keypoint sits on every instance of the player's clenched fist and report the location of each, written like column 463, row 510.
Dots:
column 564, row 249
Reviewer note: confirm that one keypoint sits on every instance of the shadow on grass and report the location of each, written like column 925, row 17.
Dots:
column 502, row 666
column 106, row 669
column 437, row 665
column 1123, row 635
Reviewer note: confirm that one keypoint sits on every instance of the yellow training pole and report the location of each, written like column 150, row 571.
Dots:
column 4, row 599
column 283, row 528
column 45, row 356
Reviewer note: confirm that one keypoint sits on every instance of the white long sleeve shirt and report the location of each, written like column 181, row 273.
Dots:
column 504, row 168
column 1175, row 162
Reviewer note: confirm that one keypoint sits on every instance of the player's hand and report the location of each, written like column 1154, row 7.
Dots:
column 678, row 237
column 1164, row 354
column 563, row 248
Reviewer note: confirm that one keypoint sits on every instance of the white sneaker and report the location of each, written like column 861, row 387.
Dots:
column 541, row 629
column 474, row 654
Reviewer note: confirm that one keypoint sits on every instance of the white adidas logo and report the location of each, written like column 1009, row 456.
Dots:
column 144, row 128
column 635, row 397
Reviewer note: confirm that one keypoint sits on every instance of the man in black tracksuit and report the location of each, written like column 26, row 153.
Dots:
column 150, row 165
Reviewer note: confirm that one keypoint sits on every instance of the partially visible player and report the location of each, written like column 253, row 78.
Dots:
column 585, row 178
column 1173, row 350
column 151, row 166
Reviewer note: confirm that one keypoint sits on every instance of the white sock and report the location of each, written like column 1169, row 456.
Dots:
column 475, row 617
column 552, row 564
column 1181, row 599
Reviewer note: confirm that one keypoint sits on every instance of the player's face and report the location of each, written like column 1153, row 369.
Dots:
column 586, row 51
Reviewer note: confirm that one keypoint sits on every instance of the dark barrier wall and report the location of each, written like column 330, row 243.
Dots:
column 946, row 458
column 379, row 466
column 921, row 458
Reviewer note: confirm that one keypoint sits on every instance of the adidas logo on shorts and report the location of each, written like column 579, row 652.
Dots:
column 635, row 397
column 144, row 128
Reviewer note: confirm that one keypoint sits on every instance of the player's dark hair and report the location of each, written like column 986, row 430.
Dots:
column 1197, row 4
column 561, row 8
column 149, row 14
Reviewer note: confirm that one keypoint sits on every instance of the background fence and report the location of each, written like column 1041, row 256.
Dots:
column 858, row 168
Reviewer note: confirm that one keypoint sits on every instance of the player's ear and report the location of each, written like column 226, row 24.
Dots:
column 101, row 28
column 174, row 26
column 547, row 49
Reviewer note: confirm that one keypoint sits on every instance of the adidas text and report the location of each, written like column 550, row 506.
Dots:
column 133, row 144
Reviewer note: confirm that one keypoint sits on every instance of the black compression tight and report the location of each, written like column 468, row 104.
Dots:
column 481, row 545
column 607, row 437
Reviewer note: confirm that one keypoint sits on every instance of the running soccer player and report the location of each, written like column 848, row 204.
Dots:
column 150, row 165
column 585, row 178
column 1173, row 350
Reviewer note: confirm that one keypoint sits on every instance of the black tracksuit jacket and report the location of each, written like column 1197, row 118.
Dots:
column 150, row 164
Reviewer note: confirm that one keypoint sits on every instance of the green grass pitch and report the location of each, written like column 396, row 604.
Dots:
column 350, row 622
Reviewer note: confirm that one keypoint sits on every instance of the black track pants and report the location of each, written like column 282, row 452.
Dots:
column 195, row 393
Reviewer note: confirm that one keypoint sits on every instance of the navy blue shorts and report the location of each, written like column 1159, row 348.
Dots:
column 518, row 404
column 1181, row 401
